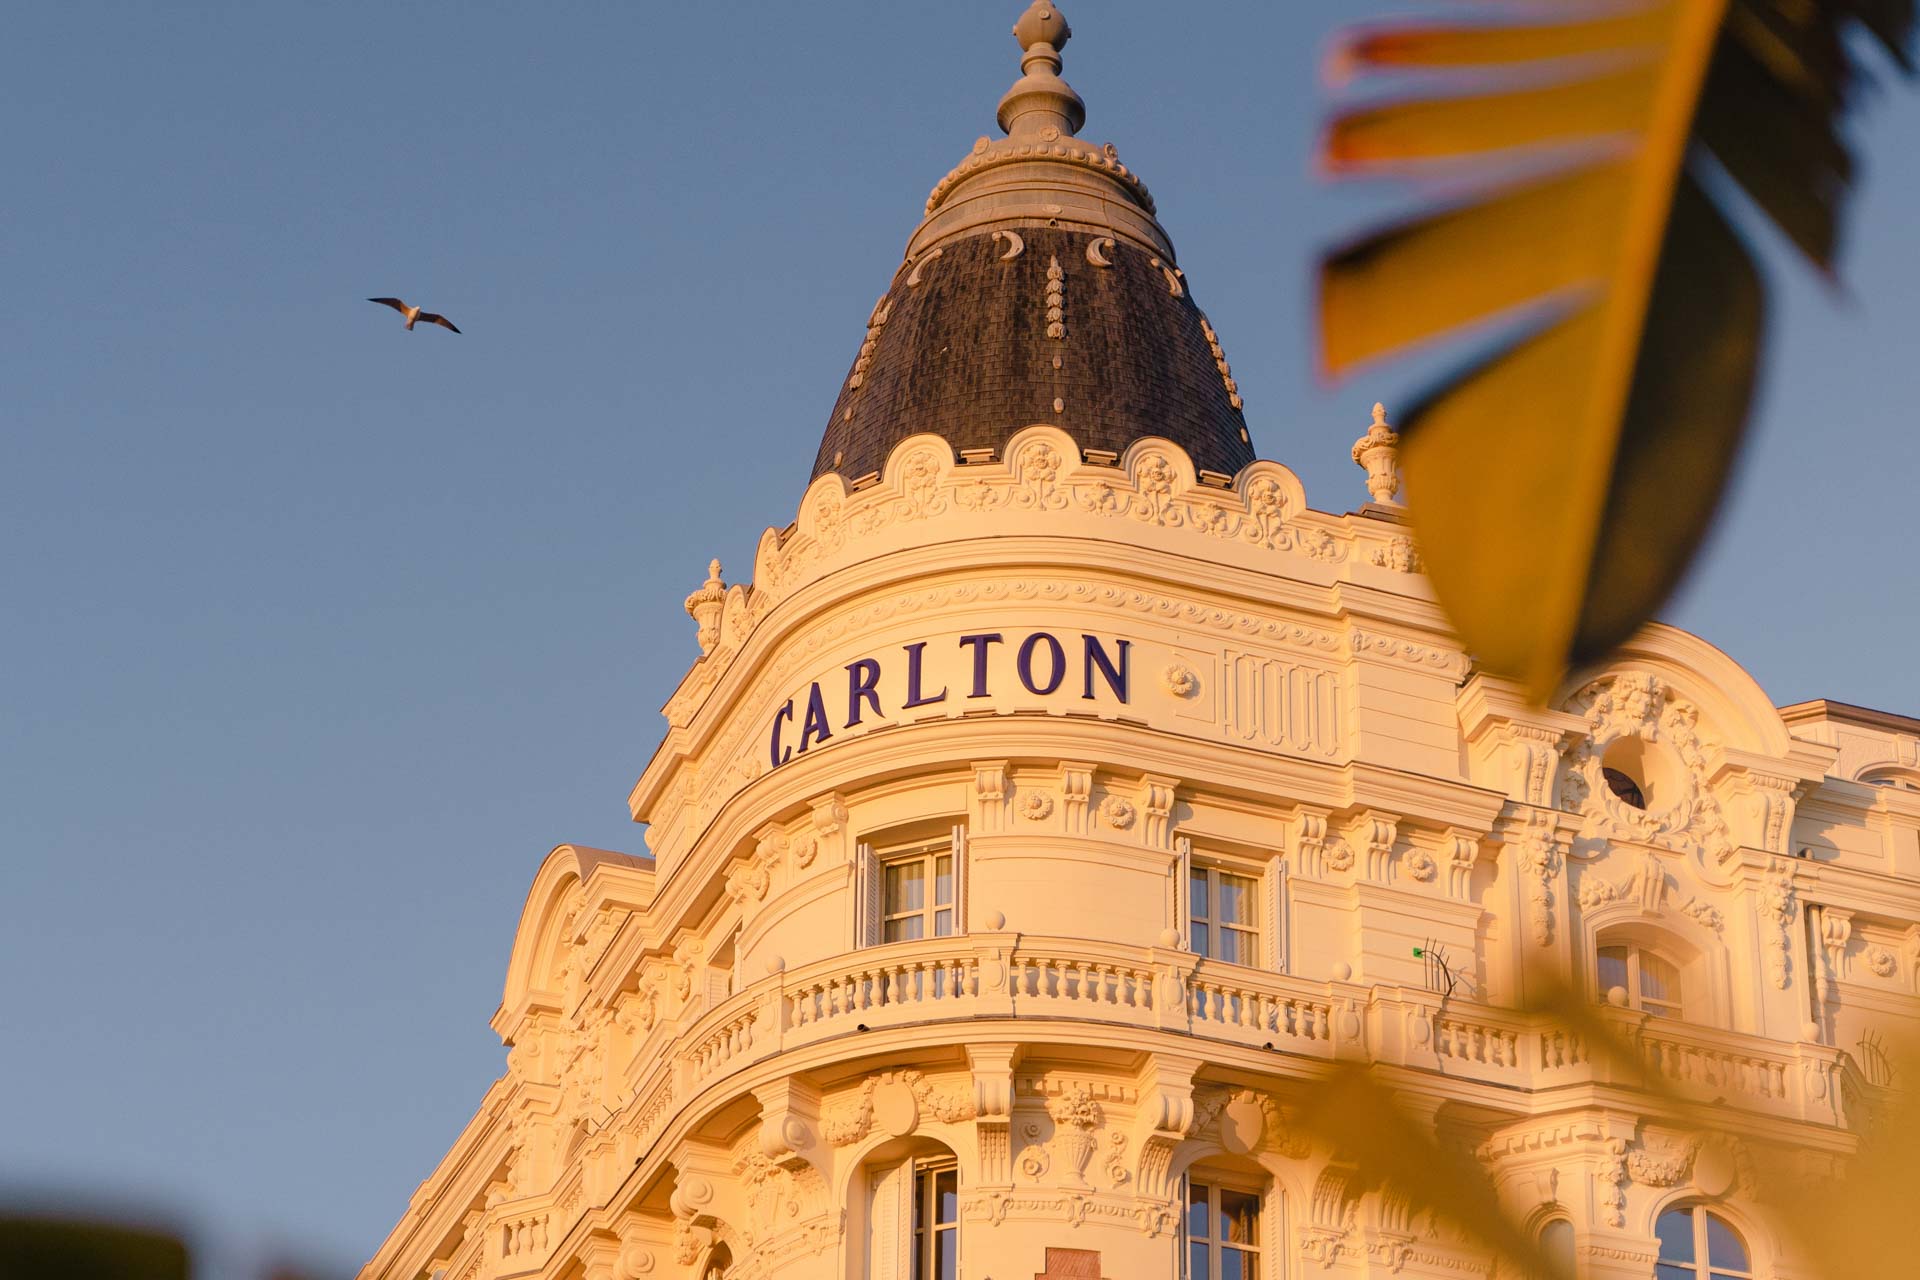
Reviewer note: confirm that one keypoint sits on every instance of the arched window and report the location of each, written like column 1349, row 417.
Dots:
column 1556, row 1246
column 1897, row 779
column 1698, row 1244
column 1223, row 1228
column 1651, row 982
column 913, row 1215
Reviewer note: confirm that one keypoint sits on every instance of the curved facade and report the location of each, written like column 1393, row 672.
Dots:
column 1035, row 826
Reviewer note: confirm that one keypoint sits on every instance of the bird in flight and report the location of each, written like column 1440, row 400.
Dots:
column 414, row 313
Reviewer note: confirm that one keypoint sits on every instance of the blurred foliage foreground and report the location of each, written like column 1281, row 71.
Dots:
column 1560, row 485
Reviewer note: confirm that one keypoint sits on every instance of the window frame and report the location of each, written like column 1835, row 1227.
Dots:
column 1675, row 1009
column 1254, row 935
column 928, row 856
column 870, row 884
column 1216, row 1181
column 925, row 1232
column 1702, row 1266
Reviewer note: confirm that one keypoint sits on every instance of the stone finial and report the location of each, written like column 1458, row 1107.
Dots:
column 1040, row 100
column 705, row 606
column 1379, row 452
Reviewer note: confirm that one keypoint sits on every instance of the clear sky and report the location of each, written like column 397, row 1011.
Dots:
column 318, row 634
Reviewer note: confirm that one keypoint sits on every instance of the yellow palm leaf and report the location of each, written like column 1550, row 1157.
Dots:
column 1561, row 485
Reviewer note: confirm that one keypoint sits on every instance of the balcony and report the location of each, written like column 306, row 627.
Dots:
column 1017, row 976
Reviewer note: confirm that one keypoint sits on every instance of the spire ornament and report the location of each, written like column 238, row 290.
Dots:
column 1040, row 104
column 1379, row 452
column 704, row 607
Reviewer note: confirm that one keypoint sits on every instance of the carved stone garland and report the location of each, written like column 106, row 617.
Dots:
column 1635, row 704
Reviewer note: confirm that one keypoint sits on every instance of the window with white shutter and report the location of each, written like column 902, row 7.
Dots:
column 913, row 1220
column 913, row 891
column 1230, row 907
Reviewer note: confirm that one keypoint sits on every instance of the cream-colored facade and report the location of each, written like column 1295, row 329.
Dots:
column 1032, row 827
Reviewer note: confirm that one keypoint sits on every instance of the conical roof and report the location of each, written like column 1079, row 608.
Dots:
column 1039, row 287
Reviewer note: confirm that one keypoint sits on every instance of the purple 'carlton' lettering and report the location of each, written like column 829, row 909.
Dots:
column 814, row 728
column 779, row 754
column 979, row 645
column 863, row 679
column 915, row 653
column 1116, row 677
column 1024, row 662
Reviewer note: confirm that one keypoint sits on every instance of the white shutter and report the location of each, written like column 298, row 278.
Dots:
column 1274, row 927
column 866, row 902
column 959, row 879
column 890, row 1222
column 1182, row 895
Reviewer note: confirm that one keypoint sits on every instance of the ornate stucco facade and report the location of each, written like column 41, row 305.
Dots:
column 1048, row 809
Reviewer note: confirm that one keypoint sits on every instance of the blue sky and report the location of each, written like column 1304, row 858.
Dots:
column 319, row 634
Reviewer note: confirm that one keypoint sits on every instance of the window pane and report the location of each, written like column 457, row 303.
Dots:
column 943, row 879
column 1239, row 1217
column 1239, row 946
column 1556, row 1246
column 1197, row 888
column 919, row 1200
column 1197, row 1262
column 1725, row 1248
column 1237, row 895
column 1667, row 1272
column 949, row 1268
column 1659, row 981
column 1231, row 1267
column 946, row 1190
column 1197, row 1210
column 1201, row 946
column 905, row 929
column 942, row 924
column 1675, row 1229
column 906, row 886
column 1613, row 968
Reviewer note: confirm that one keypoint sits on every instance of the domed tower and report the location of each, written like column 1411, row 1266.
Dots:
column 1060, row 797
column 1038, row 288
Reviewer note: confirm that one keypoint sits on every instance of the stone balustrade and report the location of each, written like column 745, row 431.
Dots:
column 1012, row 975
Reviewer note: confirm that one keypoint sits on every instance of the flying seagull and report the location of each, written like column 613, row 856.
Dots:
column 414, row 313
